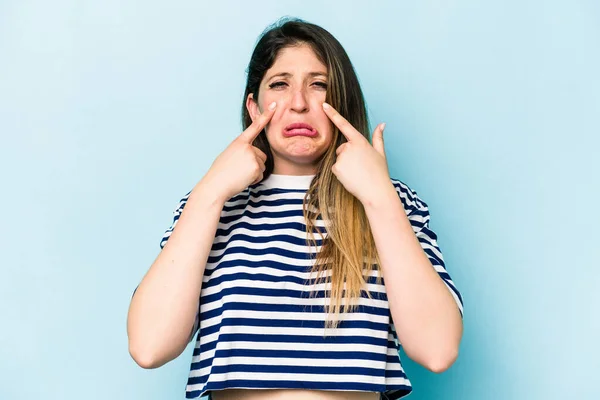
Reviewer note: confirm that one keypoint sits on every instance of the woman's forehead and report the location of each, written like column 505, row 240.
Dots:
column 297, row 59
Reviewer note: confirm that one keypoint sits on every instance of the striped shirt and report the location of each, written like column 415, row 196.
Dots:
column 254, row 327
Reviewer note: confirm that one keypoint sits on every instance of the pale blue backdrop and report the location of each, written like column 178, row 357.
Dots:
column 111, row 111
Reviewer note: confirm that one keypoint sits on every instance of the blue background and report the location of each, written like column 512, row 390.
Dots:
column 111, row 111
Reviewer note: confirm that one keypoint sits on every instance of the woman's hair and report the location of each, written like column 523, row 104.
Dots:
column 349, row 243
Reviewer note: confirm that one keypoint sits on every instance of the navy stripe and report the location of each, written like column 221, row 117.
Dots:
column 341, row 355
column 266, row 239
column 281, row 266
column 260, row 252
column 295, row 308
column 260, row 277
column 316, row 294
column 293, row 369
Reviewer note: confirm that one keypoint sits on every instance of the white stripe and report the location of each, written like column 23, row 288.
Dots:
column 271, row 256
column 283, row 284
column 268, row 221
column 306, row 362
column 397, row 381
column 418, row 219
column 456, row 299
column 428, row 246
column 296, row 233
column 287, row 195
column 292, row 316
column 283, row 300
column 408, row 199
column 281, row 376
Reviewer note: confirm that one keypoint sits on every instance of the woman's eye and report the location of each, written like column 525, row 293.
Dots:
column 280, row 84
column 276, row 84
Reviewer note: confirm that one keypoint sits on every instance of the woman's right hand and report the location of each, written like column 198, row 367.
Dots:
column 241, row 164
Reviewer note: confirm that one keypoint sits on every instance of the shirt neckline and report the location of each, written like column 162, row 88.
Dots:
column 280, row 181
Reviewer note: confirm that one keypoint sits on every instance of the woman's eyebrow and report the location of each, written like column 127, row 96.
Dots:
column 288, row 75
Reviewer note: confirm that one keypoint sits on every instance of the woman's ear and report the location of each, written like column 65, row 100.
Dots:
column 252, row 107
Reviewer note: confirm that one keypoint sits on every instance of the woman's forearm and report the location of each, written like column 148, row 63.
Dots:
column 426, row 317
column 163, row 309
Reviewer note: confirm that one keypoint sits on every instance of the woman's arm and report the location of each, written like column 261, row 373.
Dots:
column 164, row 306
column 425, row 314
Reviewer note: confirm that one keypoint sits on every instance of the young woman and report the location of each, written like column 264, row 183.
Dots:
column 297, row 262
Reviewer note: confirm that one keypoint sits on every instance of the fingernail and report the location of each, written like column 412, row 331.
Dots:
column 326, row 106
column 382, row 127
column 272, row 105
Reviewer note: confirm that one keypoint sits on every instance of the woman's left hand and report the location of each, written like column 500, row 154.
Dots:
column 360, row 166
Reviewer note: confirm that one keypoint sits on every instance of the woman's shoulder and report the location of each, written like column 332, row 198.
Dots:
column 408, row 195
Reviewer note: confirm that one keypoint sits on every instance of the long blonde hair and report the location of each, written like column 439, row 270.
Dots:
column 348, row 244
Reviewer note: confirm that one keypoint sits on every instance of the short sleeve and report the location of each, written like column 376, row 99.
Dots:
column 419, row 217
column 176, row 215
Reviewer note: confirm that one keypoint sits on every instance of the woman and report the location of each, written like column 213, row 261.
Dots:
column 300, row 264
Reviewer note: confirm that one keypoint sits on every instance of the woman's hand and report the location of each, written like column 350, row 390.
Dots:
column 241, row 164
column 360, row 166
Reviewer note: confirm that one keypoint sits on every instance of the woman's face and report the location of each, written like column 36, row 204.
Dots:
column 299, row 94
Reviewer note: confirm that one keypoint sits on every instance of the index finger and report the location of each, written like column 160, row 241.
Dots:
column 258, row 124
column 342, row 123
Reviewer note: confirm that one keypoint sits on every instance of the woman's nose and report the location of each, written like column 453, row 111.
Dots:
column 299, row 101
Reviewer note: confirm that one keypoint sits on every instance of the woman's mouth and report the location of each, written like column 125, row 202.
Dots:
column 299, row 129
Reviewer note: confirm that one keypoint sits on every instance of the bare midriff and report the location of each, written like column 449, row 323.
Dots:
column 292, row 394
